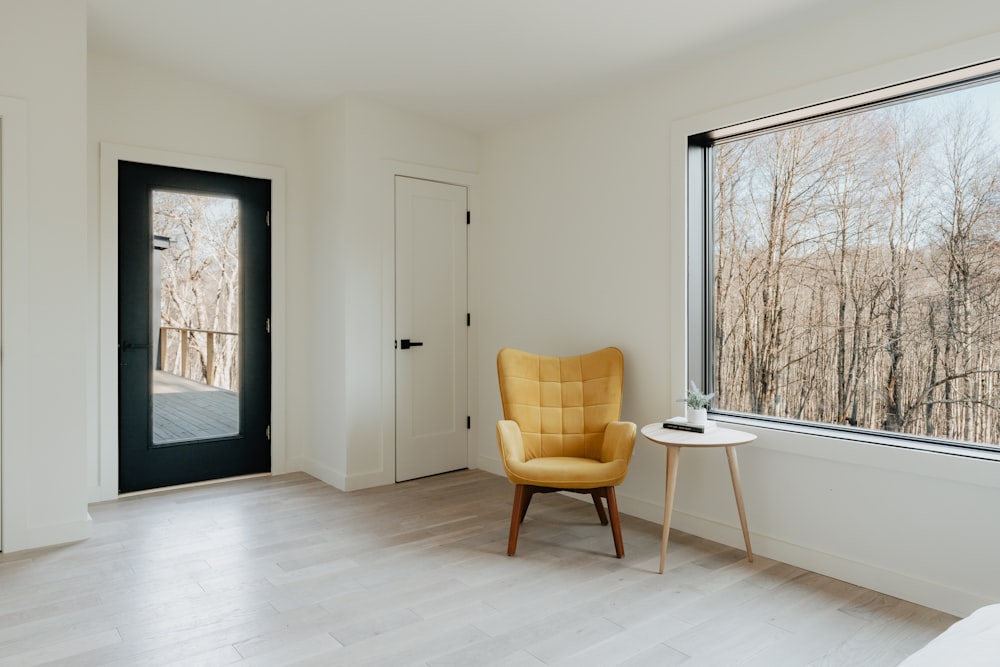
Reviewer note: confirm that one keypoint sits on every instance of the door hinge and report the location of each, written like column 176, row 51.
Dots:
column 267, row 431
column 267, row 324
column 468, row 319
column 267, row 218
column 468, row 422
column 468, row 217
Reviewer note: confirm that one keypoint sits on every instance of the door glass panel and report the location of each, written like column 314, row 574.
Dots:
column 195, row 318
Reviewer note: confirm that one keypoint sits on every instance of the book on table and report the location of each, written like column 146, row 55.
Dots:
column 682, row 424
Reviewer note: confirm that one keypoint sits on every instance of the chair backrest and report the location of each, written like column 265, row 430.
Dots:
column 561, row 404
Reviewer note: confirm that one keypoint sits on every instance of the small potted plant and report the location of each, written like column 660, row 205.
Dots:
column 697, row 403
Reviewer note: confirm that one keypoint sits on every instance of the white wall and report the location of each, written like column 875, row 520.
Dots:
column 48, row 319
column 356, row 146
column 583, row 246
column 198, row 126
column 324, row 403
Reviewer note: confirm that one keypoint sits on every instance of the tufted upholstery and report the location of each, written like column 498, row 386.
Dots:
column 561, row 428
column 562, row 405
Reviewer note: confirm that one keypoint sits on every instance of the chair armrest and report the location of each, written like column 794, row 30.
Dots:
column 509, row 440
column 619, row 440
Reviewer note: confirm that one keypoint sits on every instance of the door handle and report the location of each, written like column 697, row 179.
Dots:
column 125, row 346
column 406, row 344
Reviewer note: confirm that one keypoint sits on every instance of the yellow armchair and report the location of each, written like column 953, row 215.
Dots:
column 561, row 432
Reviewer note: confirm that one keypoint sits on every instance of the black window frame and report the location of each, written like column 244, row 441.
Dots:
column 700, row 252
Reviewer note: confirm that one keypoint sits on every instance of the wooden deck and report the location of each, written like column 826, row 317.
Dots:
column 187, row 410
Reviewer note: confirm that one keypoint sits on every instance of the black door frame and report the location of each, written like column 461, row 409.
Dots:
column 178, row 462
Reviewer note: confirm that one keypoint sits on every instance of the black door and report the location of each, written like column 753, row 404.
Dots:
column 193, row 319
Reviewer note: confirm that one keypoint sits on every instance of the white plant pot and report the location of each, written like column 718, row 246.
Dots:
column 698, row 415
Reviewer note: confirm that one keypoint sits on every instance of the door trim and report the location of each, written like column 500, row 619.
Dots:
column 392, row 169
column 13, row 258
column 104, row 462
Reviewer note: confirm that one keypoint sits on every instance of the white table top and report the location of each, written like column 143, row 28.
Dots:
column 716, row 437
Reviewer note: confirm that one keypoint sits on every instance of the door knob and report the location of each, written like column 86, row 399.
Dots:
column 406, row 344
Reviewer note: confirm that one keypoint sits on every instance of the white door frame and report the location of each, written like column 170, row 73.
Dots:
column 470, row 181
column 106, row 486
column 13, row 262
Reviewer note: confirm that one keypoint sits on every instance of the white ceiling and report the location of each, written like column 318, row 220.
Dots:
column 474, row 63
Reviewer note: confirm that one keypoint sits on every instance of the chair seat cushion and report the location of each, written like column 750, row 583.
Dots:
column 567, row 472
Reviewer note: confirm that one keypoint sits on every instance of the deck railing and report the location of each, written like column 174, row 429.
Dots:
column 186, row 336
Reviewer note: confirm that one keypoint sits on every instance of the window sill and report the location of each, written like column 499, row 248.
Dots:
column 940, row 461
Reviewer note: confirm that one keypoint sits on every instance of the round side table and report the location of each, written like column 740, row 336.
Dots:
column 675, row 440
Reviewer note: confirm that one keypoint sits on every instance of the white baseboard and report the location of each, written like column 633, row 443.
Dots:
column 48, row 535
column 337, row 479
column 900, row 585
column 322, row 472
column 369, row 479
column 101, row 493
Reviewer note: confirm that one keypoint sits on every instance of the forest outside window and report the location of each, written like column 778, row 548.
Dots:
column 848, row 266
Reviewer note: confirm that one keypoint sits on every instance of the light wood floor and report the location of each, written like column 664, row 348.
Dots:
column 286, row 570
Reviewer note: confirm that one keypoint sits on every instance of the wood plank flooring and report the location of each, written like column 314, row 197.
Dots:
column 288, row 571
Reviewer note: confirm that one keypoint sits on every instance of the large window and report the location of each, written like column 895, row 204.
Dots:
column 851, row 269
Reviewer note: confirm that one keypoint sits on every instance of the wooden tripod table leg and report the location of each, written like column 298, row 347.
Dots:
column 673, row 461
column 734, row 471
column 675, row 440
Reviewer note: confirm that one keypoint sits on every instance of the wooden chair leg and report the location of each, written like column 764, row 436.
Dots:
column 597, row 495
column 529, row 493
column 521, row 499
column 616, row 528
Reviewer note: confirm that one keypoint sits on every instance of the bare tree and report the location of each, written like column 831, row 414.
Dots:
column 200, row 286
column 905, row 204
column 857, row 278
column 793, row 167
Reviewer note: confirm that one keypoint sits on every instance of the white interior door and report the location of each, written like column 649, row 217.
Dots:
column 431, row 328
